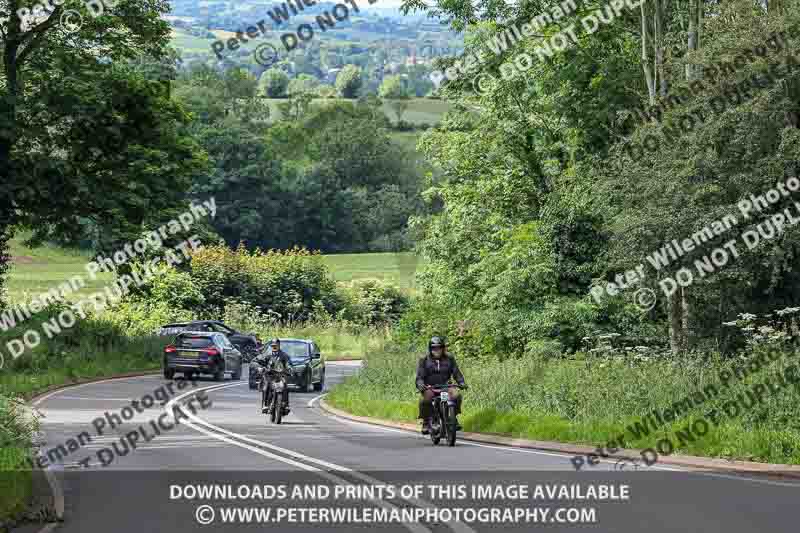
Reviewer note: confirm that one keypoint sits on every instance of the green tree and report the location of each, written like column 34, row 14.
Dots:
column 348, row 81
column 83, row 139
column 303, row 83
column 273, row 83
column 392, row 89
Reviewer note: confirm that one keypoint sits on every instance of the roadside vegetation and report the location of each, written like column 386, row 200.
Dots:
column 271, row 294
column 16, row 431
column 526, row 204
column 592, row 398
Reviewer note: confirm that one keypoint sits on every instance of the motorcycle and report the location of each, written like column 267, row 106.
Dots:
column 276, row 404
column 251, row 351
column 443, row 422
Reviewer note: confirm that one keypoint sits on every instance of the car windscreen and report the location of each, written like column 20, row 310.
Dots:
column 195, row 342
column 295, row 350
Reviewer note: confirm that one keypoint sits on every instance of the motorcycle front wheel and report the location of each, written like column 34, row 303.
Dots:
column 451, row 425
column 436, row 426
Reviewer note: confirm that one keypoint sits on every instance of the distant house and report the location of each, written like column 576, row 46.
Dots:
column 332, row 73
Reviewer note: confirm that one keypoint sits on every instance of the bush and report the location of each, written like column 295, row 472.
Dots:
column 16, row 434
column 284, row 284
column 424, row 319
column 143, row 317
column 373, row 302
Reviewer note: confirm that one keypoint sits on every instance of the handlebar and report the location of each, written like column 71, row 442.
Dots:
column 444, row 387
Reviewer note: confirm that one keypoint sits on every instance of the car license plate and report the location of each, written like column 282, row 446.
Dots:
column 444, row 396
column 188, row 354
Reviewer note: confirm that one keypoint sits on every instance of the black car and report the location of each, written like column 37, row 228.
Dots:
column 308, row 368
column 246, row 343
column 198, row 352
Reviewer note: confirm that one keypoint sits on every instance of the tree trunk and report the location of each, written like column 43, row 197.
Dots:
column 675, row 306
column 658, row 46
column 695, row 23
column 648, row 75
column 686, row 337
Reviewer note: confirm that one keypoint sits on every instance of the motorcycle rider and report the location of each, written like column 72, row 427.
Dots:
column 278, row 360
column 437, row 368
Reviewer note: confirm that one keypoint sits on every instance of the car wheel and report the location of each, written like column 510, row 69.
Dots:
column 321, row 385
column 308, row 382
column 169, row 373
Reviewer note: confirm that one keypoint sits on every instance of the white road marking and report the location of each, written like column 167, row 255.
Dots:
column 84, row 398
column 312, row 400
column 161, row 438
column 73, row 387
column 564, row 456
column 417, row 528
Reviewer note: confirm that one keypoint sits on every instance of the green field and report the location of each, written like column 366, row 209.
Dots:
column 36, row 270
column 190, row 43
column 420, row 110
column 397, row 269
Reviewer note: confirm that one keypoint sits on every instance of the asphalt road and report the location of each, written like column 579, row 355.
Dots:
column 110, row 486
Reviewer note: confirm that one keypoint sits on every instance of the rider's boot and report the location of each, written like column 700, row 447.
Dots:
column 426, row 426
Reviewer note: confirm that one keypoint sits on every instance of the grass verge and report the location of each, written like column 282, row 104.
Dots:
column 91, row 349
column 590, row 401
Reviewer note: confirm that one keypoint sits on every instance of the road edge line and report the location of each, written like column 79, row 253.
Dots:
column 41, row 395
column 690, row 461
column 56, row 490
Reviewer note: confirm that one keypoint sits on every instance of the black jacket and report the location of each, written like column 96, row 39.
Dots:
column 271, row 362
column 432, row 371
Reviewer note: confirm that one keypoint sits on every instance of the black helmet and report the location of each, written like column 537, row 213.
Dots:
column 435, row 341
column 275, row 341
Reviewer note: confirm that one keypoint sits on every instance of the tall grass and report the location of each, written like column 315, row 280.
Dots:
column 92, row 348
column 17, row 426
column 589, row 401
column 338, row 339
column 337, row 342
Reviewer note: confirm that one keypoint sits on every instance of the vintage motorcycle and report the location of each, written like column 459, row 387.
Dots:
column 278, row 383
column 443, row 422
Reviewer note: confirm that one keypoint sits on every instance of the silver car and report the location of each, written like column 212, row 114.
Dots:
column 200, row 352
